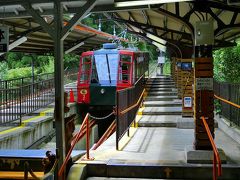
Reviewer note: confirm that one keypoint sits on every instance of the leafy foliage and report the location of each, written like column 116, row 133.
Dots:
column 143, row 46
column 227, row 64
column 20, row 64
column 19, row 72
column 3, row 70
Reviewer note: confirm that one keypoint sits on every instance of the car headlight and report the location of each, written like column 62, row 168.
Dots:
column 102, row 91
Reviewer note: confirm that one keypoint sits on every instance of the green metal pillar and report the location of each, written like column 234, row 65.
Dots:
column 59, row 82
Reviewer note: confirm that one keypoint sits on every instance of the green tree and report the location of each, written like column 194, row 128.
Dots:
column 71, row 61
column 3, row 70
column 227, row 64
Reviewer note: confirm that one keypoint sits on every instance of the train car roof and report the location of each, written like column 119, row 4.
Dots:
column 106, row 51
column 110, row 48
column 114, row 51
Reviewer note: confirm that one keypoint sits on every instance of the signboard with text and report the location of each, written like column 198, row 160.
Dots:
column 4, row 38
column 204, row 84
column 187, row 102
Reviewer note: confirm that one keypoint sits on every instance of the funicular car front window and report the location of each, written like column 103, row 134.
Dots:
column 106, row 65
column 85, row 69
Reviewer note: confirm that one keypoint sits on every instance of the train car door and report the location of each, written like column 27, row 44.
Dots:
column 125, row 69
column 84, row 77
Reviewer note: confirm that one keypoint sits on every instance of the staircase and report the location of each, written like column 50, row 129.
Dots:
column 159, row 147
column 161, row 105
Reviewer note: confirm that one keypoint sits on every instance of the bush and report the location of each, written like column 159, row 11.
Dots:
column 19, row 72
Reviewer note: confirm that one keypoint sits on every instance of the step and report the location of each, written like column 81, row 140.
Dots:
column 161, row 89
column 156, row 93
column 160, row 98
column 162, row 103
column 114, row 178
column 160, row 86
column 162, row 111
column 137, row 170
column 160, row 83
column 161, row 77
column 158, row 121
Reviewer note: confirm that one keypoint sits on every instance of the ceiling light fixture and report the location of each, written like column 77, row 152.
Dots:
column 145, row 2
column 16, row 43
column 155, row 38
column 74, row 47
column 160, row 46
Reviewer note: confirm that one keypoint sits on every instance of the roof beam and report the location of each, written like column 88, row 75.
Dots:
column 219, row 21
column 145, row 16
column 235, row 14
column 119, row 17
column 226, row 28
column 220, row 5
column 177, row 18
column 177, row 8
column 38, row 18
column 109, row 17
column 143, row 27
column 83, row 11
column 18, row 2
column 131, row 17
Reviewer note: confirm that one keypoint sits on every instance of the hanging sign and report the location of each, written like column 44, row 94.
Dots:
column 4, row 38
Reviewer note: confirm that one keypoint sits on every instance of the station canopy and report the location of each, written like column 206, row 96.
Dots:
column 173, row 22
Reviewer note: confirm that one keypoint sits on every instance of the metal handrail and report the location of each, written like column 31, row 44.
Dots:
column 85, row 124
column 106, row 135
column 133, row 106
column 216, row 156
column 226, row 101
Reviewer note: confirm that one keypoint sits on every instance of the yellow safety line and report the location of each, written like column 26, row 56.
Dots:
column 9, row 130
column 125, row 140
column 25, row 121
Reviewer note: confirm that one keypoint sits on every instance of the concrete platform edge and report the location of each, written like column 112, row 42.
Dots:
column 228, row 128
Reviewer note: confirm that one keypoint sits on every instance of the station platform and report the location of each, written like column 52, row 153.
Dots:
column 159, row 147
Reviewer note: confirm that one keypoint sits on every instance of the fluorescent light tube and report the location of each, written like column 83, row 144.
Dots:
column 16, row 43
column 146, row 2
column 74, row 47
column 159, row 46
column 155, row 38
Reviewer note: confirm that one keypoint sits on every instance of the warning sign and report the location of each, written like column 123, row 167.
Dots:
column 4, row 38
column 204, row 84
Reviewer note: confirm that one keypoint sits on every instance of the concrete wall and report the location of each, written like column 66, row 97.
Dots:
column 34, row 128
column 37, row 127
column 24, row 136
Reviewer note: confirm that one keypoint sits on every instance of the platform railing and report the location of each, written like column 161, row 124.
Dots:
column 228, row 94
column 226, row 101
column 16, row 102
column 18, row 82
column 127, row 103
column 19, row 97
column 216, row 156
